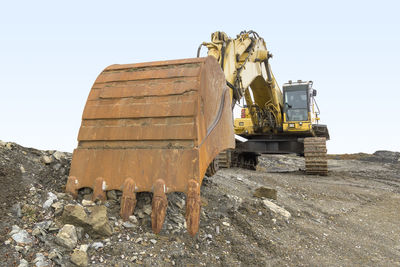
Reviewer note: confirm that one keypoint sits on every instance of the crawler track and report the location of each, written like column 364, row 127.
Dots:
column 231, row 158
column 315, row 155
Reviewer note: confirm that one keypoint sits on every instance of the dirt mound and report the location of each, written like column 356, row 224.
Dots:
column 346, row 218
column 377, row 156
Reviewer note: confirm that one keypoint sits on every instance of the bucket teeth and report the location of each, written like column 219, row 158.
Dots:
column 99, row 192
column 72, row 186
column 128, row 200
column 193, row 205
column 159, row 206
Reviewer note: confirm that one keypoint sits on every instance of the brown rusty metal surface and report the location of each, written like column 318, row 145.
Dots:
column 159, row 121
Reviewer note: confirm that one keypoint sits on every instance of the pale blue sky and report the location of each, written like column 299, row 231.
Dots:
column 51, row 52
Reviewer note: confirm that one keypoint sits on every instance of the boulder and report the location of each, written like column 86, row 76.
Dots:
column 265, row 192
column 75, row 214
column 96, row 224
column 276, row 209
column 79, row 258
column 99, row 221
column 66, row 237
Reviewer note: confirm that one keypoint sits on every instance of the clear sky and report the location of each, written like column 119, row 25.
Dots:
column 51, row 52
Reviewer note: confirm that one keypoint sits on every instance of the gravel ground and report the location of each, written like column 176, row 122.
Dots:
column 350, row 217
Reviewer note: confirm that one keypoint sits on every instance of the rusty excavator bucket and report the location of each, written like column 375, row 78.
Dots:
column 153, row 127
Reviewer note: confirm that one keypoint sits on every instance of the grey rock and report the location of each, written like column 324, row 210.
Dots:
column 180, row 203
column 64, row 196
column 55, row 254
column 50, row 199
column 58, row 155
column 47, row 159
column 140, row 214
column 79, row 258
column 88, row 196
column 147, row 209
column 128, row 225
column 40, row 260
column 84, row 247
column 85, row 191
column 9, row 146
column 97, row 245
column 276, row 209
column 153, row 241
column 66, row 237
column 80, row 232
column 18, row 248
column 36, row 232
column 20, row 236
column 15, row 229
column 16, row 208
column 23, row 263
column 57, row 167
column 133, row 219
column 112, row 195
column 22, row 169
column 87, row 203
column 43, row 225
column 58, row 208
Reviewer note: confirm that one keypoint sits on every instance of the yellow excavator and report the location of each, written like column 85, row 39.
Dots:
column 271, row 122
column 161, row 126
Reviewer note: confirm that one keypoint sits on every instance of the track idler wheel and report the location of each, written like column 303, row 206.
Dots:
column 212, row 168
column 159, row 206
column 193, row 205
column 128, row 200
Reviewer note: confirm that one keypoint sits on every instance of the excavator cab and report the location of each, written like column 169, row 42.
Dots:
column 299, row 110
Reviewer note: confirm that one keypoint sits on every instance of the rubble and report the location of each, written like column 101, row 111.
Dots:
column 236, row 227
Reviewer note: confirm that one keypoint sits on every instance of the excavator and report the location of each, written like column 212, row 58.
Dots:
column 271, row 122
column 162, row 126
